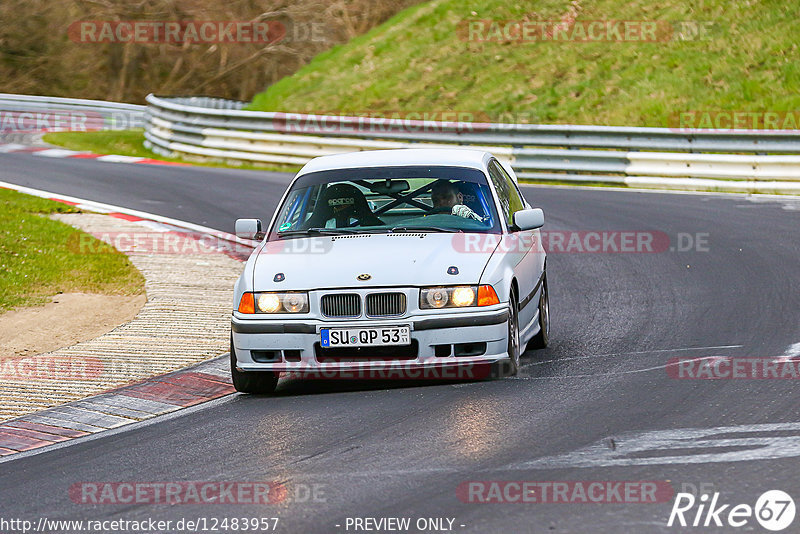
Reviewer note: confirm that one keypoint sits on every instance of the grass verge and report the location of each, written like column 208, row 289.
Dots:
column 39, row 257
column 571, row 183
column 122, row 142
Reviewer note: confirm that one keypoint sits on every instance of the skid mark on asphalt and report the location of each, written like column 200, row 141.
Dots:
column 613, row 373
column 556, row 360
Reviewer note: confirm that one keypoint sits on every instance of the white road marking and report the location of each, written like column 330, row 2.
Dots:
column 100, row 207
column 56, row 153
column 792, row 352
column 114, row 158
column 11, row 147
column 789, row 203
column 688, row 445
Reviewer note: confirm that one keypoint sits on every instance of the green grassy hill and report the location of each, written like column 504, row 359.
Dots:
column 421, row 60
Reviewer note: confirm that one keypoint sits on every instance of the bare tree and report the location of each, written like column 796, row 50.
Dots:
column 40, row 54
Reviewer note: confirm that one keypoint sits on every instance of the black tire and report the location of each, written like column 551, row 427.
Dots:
column 540, row 340
column 257, row 382
column 510, row 367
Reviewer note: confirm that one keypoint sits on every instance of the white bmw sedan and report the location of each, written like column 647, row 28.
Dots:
column 398, row 260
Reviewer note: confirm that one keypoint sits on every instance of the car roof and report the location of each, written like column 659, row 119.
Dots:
column 456, row 157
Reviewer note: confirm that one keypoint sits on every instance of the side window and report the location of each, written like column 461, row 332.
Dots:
column 518, row 202
column 510, row 199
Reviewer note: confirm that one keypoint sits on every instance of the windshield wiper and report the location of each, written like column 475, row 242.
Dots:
column 424, row 229
column 318, row 231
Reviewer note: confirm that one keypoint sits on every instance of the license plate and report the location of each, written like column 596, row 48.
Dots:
column 365, row 337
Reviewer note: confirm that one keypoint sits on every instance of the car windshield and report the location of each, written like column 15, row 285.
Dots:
column 388, row 199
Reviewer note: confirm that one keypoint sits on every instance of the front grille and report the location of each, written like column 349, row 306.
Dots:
column 386, row 304
column 344, row 305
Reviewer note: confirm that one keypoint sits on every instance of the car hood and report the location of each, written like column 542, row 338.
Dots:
column 400, row 259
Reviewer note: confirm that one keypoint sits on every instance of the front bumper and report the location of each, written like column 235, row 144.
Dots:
column 294, row 344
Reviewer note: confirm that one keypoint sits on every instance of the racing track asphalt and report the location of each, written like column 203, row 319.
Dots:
column 402, row 449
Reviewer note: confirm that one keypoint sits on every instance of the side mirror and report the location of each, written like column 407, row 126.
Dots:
column 249, row 229
column 529, row 219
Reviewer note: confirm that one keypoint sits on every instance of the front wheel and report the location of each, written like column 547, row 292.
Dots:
column 541, row 339
column 510, row 367
column 258, row 382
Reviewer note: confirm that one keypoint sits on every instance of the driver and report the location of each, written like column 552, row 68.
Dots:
column 448, row 199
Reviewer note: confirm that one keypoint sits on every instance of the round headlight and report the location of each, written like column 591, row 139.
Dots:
column 293, row 303
column 463, row 296
column 437, row 298
column 269, row 303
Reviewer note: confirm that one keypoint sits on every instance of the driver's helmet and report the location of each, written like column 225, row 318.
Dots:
column 342, row 203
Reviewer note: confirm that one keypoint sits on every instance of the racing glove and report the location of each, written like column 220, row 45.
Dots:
column 466, row 212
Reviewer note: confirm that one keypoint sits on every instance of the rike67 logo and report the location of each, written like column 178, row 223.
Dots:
column 774, row 510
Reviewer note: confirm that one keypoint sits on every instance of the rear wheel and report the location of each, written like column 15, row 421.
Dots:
column 541, row 339
column 258, row 382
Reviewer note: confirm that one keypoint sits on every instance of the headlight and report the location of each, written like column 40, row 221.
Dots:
column 436, row 297
column 457, row 297
column 268, row 303
column 274, row 303
column 296, row 302
column 463, row 296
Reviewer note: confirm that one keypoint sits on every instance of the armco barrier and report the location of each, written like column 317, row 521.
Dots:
column 643, row 157
column 31, row 114
column 215, row 128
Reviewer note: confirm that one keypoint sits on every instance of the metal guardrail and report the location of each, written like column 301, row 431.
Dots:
column 31, row 114
column 199, row 127
column 216, row 128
